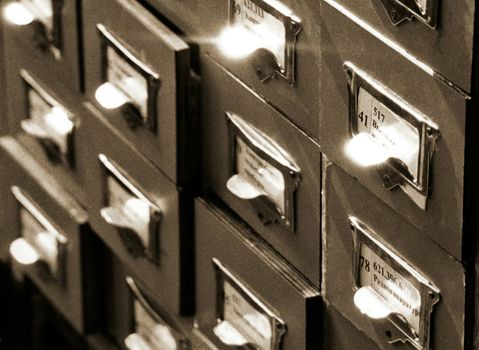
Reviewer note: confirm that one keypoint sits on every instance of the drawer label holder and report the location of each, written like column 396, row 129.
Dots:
column 136, row 218
column 40, row 243
column 128, row 84
column 49, row 122
column 243, row 320
column 151, row 329
column 387, row 287
column 262, row 172
column 388, row 133
column 401, row 10
column 269, row 29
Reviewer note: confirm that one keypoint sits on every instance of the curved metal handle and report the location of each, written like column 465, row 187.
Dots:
column 267, row 211
column 242, row 188
column 373, row 305
column 229, row 335
column 50, row 147
column 370, row 303
column 126, row 229
column 135, row 341
column 111, row 98
column 25, row 254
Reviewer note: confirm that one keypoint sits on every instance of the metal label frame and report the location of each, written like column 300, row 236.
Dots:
column 111, row 170
column 25, row 202
column 30, row 83
column 429, row 293
column 182, row 342
column 427, row 130
column 109, row 40
column 278, row 326
column 401, row 10
column 237, row 127
column 292, row 26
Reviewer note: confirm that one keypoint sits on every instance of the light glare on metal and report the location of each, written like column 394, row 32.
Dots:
column 229, row 335
column 371, row 304
column 237, row 42
column 23, row 252
column 242, row 188
column 164, row 336
column 364, row 151
column 109, row 97
column 18, row 14
column 47, row 244
column 137, row 209
column 59, row 120
column 135, row 341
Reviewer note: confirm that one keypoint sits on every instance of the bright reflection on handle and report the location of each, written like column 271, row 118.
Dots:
column 23, row 252
column 164, row 337
column 47, row 244
column 137, row 210
column 261, row 323
column 109, row 97
column 364, row 151
column 228, row 334
column 370, row 303
column 136, row 342
column 59, row 121
column 237, row 42
column 134, row 214
column 18, row 14
column 32, row 128
column 242, row 188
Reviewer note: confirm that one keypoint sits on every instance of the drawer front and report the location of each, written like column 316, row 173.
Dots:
column 139, row 77
column 47, row 120
column 262, row 167
column 140, row 214
column 379, row 278
column 440, row 35
column 46, row 232
column 405, row 145
column 132, row 316
column 247, row 294
column 47, row 33
column 273, row 47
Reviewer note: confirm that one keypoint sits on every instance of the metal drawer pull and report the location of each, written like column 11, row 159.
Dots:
column 132, row 218
column 17, row 14
column 229, row 335
column 56, row 127
column 370, row 303
column 110, row 97
column 23, row 252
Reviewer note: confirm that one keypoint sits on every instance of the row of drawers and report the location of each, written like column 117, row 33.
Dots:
column 229, row 254
column 242, row 130
column 431, row 125
column 85, row 288
column 301, row 100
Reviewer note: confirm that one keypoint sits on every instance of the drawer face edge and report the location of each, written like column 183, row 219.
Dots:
column 47, row 232
column 373, row 254
column 242, row 275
